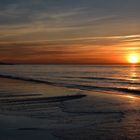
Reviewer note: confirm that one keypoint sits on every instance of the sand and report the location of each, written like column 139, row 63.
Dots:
column 68, row 115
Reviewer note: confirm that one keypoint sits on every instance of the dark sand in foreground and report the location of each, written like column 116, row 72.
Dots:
column 96, row 116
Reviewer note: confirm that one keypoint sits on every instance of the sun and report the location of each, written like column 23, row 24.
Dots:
column 133, row 58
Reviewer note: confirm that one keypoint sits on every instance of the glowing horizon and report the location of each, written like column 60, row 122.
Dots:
column 75, row 32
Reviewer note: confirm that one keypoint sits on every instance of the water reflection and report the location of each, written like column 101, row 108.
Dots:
column 130, row 96
column 133, row 78
column 133, row 73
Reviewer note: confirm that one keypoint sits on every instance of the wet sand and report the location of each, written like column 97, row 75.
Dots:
column 68, row 115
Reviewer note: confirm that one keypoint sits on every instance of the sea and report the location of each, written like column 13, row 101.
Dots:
column 123, row 79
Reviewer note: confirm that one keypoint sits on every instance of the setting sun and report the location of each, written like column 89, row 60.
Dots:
column 133, row 58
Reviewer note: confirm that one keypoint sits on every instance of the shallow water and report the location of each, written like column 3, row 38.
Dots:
column 115, row 78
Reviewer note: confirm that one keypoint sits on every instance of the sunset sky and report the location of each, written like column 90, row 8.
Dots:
column 69, row 31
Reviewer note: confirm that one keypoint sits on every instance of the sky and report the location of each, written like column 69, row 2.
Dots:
column 69, row 31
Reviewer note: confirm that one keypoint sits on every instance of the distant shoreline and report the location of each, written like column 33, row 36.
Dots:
column 71, row 64
column 1, row 63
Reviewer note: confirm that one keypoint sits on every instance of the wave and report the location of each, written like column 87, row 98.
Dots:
column 115, row 80
column 25, row 79
column 76, row 86
column 87, row 87
column 93, row 78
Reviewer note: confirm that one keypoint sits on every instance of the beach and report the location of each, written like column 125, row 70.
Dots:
column 69, row 69
column 34, row 109
column 94, row 116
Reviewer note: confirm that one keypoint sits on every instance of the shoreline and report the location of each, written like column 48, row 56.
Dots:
column 44, row 111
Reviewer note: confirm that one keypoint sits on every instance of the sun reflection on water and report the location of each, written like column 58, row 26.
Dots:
column 130, row 96
column 133, row 73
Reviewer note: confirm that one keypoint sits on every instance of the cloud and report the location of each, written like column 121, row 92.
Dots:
column 40, row 28
column 68, row 18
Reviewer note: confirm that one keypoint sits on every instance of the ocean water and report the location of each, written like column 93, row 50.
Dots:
column 123, row 79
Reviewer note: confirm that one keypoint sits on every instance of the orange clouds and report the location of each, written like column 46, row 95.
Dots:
column 96, row 50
